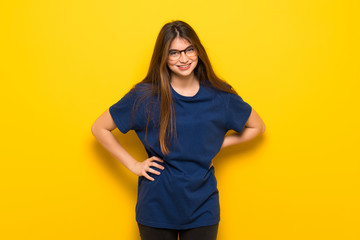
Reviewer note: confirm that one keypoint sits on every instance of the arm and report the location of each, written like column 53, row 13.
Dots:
column 253, row 127
column 102, row 128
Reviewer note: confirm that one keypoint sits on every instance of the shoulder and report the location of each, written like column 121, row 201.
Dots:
column 141, row 87
column 139, row 90
column 216, row 93
column 230, row 99
column 143, row 94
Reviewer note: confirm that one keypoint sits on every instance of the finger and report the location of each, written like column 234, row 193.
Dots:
column 157, row 165
column 157, row 159
column 154, row 171
column 148, row 177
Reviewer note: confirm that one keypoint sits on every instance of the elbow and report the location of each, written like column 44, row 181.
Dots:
column 263, row 129
column 93, row 129
column 97, row 129
column 260, row 129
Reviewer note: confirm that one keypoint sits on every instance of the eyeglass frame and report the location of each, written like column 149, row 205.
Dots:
column 180, row 51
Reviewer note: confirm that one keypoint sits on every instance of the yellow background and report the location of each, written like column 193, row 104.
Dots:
column 63, row 63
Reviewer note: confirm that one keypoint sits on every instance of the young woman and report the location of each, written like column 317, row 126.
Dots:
column 181, row 112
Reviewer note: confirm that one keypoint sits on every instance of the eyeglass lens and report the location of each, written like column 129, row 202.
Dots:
column 175, row 54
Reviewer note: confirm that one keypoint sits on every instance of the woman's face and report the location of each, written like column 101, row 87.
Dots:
column 184, row 65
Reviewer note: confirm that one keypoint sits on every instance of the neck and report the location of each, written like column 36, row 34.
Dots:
column 183, row 82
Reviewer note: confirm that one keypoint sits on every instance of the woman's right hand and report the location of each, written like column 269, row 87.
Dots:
column 141, row 168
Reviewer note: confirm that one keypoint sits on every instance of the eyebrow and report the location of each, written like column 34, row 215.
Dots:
column 180, row 50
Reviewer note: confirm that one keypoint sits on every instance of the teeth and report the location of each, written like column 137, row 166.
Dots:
column 185, row 66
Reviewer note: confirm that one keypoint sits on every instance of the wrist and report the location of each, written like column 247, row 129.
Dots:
column 134, row 167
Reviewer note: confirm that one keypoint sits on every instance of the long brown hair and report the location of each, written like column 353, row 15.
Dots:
column 159, row 76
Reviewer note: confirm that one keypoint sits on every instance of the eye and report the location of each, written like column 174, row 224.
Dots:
column 173, row 53
column 191, row 49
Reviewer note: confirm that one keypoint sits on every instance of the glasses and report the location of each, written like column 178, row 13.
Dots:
column 175, row 54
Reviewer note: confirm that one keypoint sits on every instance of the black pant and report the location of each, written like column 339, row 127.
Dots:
column 200, row 233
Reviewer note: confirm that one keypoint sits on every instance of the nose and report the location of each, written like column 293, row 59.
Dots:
column 183, row 57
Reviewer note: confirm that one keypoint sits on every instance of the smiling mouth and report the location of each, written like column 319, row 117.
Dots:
column 184, row 66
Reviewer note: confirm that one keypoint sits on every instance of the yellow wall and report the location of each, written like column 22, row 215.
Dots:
column 65, row 62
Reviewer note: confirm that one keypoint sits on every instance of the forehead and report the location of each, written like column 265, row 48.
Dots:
column 179, row 43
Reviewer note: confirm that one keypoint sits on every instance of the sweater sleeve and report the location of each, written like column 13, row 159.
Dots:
column 122, row 112
column 237, row 112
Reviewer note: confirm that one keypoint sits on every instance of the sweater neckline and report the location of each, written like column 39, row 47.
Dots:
column 178, row 95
